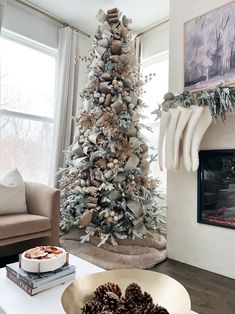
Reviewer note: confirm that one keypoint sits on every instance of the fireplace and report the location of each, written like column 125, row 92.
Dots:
column 216, row 188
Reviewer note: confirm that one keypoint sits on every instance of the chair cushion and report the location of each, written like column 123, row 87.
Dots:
column 12, row 194
column 22, row 224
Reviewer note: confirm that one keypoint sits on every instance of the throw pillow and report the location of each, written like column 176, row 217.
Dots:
column 12, row 194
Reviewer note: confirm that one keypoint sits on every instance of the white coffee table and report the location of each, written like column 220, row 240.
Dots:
column 13, row 300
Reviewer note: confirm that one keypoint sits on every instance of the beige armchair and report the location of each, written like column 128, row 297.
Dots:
column 40, row 226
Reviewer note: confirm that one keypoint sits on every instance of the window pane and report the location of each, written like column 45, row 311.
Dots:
column 27, row 79
column 154, row 92
column 26, row 145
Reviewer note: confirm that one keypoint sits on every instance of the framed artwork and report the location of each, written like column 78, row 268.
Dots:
column 209, row 49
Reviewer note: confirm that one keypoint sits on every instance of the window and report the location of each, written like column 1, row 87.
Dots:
column 27, row 76
column 154, row 92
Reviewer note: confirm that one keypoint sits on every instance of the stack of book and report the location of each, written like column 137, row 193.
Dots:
column 33, row 283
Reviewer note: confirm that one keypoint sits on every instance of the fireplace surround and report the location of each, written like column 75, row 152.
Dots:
column 216, row 188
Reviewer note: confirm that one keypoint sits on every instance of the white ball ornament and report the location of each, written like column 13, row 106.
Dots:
column 87, row 133
column 101, row 100
column 108, row 174
column 128, row 99
column 77, row 189
column 83, row 182
column 110, row 165
column 110, row 219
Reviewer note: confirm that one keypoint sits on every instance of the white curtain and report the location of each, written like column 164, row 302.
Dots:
column 2, row 7
column 139, row 40
column 66, row 96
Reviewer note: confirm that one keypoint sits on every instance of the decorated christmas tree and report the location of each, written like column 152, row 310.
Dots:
column 105, row 186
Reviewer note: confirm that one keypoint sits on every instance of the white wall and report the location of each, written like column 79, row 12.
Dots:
column 156, row 41
column 208, row 247
column 26, row 22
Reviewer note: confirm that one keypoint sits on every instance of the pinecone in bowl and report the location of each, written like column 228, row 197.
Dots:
column 92, row 307
column 108, row 299
column 101, row 291
column 160, row 310
column 133, row 294
column 126, row 307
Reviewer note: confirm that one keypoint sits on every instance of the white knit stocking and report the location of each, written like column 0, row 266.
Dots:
column 163, row 126
column 200, row 130
column 188, row 135
column 185, row 114
column 170, row 138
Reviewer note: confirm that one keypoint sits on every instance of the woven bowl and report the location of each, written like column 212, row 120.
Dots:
column 164, row 290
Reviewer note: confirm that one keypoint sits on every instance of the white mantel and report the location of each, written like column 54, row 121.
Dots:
column 208, row 247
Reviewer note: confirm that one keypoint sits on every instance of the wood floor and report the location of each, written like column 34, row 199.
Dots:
column 210, row 293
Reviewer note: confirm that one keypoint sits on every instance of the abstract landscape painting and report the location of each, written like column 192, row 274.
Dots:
column 209, row 49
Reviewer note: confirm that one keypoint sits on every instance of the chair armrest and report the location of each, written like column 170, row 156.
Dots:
column 44, row 200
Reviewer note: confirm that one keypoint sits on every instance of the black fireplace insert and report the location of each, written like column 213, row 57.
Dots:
column 216, row 188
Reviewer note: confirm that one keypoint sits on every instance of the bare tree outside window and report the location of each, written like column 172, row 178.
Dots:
column 27, row 78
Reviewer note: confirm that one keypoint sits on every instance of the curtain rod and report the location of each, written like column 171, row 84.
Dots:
column 152, row 26
column 52, row 17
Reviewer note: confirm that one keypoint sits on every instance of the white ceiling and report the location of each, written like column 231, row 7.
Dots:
column 81, row 13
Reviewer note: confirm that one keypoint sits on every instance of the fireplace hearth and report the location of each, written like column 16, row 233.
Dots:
column 216, row 188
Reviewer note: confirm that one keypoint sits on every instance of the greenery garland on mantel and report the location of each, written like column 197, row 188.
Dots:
column 220, row 100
